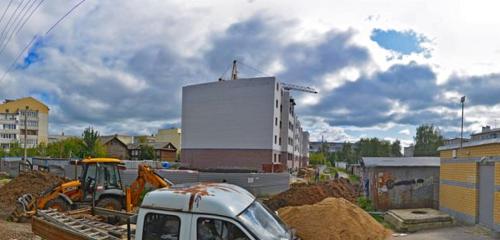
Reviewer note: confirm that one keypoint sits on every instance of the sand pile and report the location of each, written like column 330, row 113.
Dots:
column 332, row 219
column 301, row 194
column 34, row 182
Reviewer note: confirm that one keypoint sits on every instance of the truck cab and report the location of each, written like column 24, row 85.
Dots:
column 207, row 211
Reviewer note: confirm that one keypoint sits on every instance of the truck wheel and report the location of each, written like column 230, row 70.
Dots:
column 110, row 203
column 59, row 204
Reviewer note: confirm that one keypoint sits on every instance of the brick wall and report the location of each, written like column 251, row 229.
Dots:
column 475, row 151
column 459, row 199
column 459, row 187
column 461, row 172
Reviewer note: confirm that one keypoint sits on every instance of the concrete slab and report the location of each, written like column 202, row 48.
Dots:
column 412, row 220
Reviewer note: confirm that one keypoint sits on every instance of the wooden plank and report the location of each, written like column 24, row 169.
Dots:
column 51, row 231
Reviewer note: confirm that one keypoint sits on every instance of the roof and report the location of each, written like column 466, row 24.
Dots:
column 155, row 145
column 401, row 161
column 209, row 198
column 101, row 160
column 486, row 131
column 107, row 139
column 470, row 144
column 21, row 103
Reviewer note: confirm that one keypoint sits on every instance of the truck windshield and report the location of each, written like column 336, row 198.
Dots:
column 263, row 223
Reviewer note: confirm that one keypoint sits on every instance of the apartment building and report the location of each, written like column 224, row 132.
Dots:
column 171, row 135
column 20, row 116
column 241, row 124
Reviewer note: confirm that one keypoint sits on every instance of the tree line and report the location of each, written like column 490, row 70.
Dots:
column 427, row 140
column 87, row 146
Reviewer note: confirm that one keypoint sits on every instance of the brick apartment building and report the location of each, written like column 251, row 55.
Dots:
column 241, row 124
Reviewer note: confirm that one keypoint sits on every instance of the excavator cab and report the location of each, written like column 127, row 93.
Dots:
column 101, row 182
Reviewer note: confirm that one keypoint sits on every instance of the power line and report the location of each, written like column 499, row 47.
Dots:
column 64, row 16
column 4, row 12
column 10, row 19
column 35, row 37
column 18, row 27
column 29, row 17
column 14, row 23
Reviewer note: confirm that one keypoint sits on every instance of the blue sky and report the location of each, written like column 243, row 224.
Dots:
column 381, row 69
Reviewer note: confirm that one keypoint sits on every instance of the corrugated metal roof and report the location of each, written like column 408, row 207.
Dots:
column 401, row 161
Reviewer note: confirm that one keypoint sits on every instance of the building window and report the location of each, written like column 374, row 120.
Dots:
column 280, row 124
column 276, row 121
column 279, row 141
column 277, row 86
column 274, row 158
column 276, row 103
column 275, row 139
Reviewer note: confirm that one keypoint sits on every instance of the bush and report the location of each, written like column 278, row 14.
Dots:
column 365, row 204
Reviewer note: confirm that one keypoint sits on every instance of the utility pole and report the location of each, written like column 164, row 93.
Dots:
column 462, row 100
column 25, row 159
column 234, row 72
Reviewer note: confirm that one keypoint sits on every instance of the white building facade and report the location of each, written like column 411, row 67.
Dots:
column 238, row 124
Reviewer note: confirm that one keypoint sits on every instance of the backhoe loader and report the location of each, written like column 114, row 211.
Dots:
column 99, row 185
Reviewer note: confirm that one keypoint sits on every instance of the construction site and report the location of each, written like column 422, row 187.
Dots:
column 305, row 206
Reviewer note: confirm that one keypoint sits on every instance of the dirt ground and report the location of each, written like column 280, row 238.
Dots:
column 30, row 182
column 451, row 233
column 16, row 231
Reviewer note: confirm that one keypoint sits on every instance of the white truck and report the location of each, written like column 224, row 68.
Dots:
column 201, row 211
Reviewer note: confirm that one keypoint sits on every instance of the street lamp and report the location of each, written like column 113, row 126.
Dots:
column 25, row 159
column 462, row 100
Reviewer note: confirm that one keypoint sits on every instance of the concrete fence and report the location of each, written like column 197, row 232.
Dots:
column 259, row 184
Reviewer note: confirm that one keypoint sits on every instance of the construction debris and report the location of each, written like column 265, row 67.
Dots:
column 34, row 182
column 333, row 219
column 302, row 193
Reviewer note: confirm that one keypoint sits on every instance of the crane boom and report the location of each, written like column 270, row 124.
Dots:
column 288, row 86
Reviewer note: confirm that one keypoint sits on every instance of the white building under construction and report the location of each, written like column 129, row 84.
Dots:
column 242, row 124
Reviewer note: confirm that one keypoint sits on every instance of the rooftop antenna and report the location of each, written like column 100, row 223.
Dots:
column 234, row 72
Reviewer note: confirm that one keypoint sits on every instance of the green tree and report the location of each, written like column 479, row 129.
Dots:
column 146, row 152
column 396, row 149
column 427, row 140
column 15, row 150
column 92, row 146
column 69, row 147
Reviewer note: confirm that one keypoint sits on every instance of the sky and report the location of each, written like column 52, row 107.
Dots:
column 381, row 67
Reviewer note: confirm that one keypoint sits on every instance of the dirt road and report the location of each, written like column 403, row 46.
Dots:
column 16, row 231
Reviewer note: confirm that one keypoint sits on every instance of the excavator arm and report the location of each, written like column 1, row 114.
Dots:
column 144, row 175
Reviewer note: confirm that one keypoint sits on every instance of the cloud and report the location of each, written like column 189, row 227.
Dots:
column 405, row 132
column 383, row 97
column 124, row 73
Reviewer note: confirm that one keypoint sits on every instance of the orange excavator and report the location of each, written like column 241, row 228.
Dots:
column 99, row 185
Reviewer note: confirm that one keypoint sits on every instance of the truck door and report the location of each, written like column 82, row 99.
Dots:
column 162, row 225
column 208, row 227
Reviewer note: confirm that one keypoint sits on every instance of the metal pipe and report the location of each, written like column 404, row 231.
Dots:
column 462, row 100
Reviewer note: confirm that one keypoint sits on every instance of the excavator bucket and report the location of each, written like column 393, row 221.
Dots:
column 25, row 207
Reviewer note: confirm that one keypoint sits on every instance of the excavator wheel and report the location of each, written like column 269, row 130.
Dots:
column 110, row 203
column 59, row 204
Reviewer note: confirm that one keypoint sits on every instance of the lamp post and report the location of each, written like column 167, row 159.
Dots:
column 25, row 158
column 462, row 100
